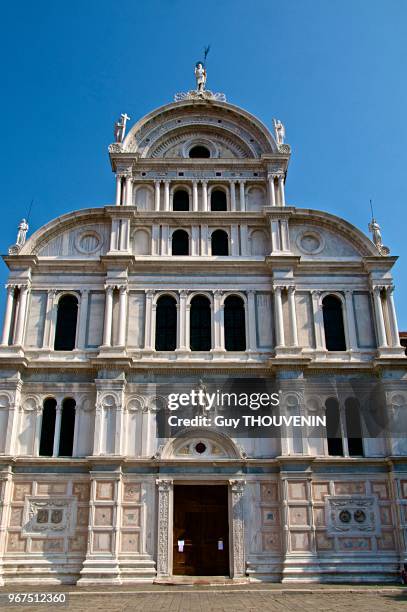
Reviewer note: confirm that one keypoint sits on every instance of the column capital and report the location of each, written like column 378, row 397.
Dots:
column 290, row 289
column 218, row 293
column 278, row 288
column 184, row 293
column 10, row 288
column 377, row 289
column 122, row 288
column 150, row 293
column 109, row 288
column 164, row 484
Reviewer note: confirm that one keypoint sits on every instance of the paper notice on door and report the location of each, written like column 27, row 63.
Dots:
column 220, row 544
column 181, row 544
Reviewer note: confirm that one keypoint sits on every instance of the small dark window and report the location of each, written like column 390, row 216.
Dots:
column 333, row 324
column 218, row 173
column 353, row 427
column 218, row 200
column 180, row 200
column 199, row 152
column 200, row 448
column 65, row 331
column 180, row 174
column 220, row 243
column 67, row 428
column 200, row 322
column 333, row 427
column 48, row 427
column 235, row 324
column 180, row 243
column 166, row 324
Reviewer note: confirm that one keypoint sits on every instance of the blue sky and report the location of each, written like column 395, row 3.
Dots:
column 333, row 71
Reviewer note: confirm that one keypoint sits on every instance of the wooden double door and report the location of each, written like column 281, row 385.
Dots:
column 201, row 530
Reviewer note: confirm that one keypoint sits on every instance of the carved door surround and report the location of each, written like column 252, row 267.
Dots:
column 237, row 559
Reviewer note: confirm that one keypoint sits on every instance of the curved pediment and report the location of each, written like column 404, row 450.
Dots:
column 232, row 131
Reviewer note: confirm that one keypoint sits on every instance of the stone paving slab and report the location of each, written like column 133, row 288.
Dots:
column 198, row 599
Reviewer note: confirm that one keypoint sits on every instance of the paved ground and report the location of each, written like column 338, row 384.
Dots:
column 224, row 599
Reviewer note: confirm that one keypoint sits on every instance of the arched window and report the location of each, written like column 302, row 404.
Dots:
column 180, row 200
column 48, row 427
column 235, row 324
column 199, row 151
column 218, row 200
column 180, row 243
column 65, row 331
column 67, row 428
column 219, row 243
column 333, row 323
column 353, row 427
column 333, row 427
column 166, row 324
column 200, row 324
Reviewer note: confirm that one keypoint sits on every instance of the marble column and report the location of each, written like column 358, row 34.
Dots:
column 205, row 196
column 318, row 320
column 378, row 308
column 57, row 430
column 118, row 189
column 8, row 314
column 83, row 314
column 164, row 536
column 157, row 195
column 21, row 314
column 122, row 315
column 281, row 189
column 155, row 239
column 251, row 319
column 238, row 564
column 218, row 339
column 195, row 196
column 279, row 321
column 149, row 323
column 244, row 240
column 234, row 240
column 242, row 196
column 272, row 191
column 12, row 421
column 182, row 321
column 391, row 309
column 129, row 190
column 293, row 316
column 107, row 329
column 350, row 319
column 166, row 195
column 232, row 196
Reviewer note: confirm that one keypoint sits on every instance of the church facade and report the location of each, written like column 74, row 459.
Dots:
column 198, row 274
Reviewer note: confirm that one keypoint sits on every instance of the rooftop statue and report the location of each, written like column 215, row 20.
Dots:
column 21, row 237
column 200, row 76
column 374, row 228
column 120, row 128
column 279, row 130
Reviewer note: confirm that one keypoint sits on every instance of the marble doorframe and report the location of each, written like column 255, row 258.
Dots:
column 165, row 490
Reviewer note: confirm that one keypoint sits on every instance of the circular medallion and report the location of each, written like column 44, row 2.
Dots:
column 359, row 516
column 344, row 516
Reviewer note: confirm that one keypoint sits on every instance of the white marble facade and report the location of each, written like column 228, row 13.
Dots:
column 104, row 515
